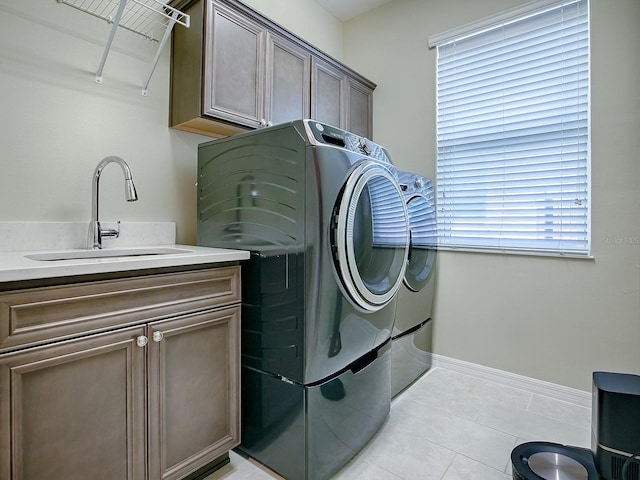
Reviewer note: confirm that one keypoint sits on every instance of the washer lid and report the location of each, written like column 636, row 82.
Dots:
column 555, row 466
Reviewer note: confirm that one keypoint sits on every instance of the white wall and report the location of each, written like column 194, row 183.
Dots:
column 306, row 19
column 553, row 319
column 56, row 123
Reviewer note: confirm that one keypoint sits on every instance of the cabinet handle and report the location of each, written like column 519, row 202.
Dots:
column 142, row 341
column 157, row 336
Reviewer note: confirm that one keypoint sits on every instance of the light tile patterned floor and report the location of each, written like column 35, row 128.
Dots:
column 450, row 426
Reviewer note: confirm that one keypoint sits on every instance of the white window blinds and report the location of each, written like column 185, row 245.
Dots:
column 513, row 135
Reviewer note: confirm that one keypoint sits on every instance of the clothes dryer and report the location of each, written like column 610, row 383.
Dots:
column 325, row 219
column 412, row 332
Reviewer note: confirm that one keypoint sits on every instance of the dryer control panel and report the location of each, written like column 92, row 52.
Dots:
column 323, row 134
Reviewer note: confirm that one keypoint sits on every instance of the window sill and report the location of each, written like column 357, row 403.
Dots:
column 526, row 253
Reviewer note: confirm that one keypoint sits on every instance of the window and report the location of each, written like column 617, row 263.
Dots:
column 513, row 131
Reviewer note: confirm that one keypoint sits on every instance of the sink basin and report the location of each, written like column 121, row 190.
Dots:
column 105, row 253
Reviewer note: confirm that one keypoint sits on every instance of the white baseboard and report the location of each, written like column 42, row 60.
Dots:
column 548, row 389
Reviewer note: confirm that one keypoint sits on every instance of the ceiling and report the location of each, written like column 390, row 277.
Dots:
column 347, row 9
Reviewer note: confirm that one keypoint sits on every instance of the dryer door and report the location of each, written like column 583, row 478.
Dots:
column 370, row 237
column 422, row 253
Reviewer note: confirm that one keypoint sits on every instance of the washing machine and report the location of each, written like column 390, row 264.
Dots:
column 323, row 215
column 412, row 332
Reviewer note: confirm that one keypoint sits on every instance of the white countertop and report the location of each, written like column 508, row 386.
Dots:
column 15, row 266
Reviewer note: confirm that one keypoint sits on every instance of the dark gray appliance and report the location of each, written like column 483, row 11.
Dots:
column 552, row 461
column 615, row 425
column 325, row 220
column 615, row 439
column 412, row 332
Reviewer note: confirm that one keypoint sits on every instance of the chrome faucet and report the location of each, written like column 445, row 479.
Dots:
column 96, row 232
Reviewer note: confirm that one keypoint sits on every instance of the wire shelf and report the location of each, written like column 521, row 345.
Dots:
column 149, row 18
column 153, row 19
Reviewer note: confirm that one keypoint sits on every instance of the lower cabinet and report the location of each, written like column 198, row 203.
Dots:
column 75, row 410
column 158, row 400
column 193, row 378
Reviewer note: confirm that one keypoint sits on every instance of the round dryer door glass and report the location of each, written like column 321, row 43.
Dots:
column 422, row 254
column 371, row 236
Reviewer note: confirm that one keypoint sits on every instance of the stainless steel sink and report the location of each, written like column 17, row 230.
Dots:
column 105, row 253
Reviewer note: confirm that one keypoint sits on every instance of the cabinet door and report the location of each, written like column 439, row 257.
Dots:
column 194, row 391
column 234, row 67
column 74, row 410
column 288, row 81
column 359, row 109
column 328, row 94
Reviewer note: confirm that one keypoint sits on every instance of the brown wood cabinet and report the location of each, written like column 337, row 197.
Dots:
column 194, row 396
column 341, row 100
column 233, row 69
column 359, row 108
column 288, row 81
column 154, row 396
column 234, row 66
column 74, row 410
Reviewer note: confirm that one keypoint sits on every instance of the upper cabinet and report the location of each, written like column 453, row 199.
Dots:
column 288, row 68
column 359, row 108
column 341, row 99
column 252, row 76
column 234, row 60
column 327, row 93
column 234, row 70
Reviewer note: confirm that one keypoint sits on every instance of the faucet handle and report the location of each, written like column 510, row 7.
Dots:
column 109, row 232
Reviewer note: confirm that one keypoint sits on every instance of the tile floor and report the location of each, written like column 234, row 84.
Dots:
column 450, row 426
